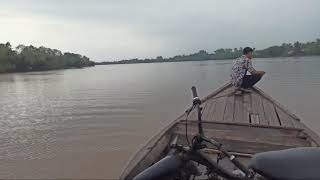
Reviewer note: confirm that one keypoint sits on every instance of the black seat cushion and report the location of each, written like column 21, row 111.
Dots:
column 289, row 164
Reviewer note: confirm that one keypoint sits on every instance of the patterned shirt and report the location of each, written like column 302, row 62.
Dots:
column 239, row 69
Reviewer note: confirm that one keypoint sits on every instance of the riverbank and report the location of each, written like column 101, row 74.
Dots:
column 296, row 49
column 142, row 62
column 45, row 70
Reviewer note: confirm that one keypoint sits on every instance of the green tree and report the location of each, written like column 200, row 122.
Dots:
column 30, row 58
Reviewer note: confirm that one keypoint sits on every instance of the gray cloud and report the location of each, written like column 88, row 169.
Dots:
column 116, row 29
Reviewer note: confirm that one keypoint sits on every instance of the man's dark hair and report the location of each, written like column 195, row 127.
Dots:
column 246, row 50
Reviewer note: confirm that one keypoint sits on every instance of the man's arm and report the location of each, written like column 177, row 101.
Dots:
column 258, row 72
column 252, row 70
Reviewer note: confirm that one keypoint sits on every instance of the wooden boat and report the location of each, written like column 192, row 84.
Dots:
column 245, row 124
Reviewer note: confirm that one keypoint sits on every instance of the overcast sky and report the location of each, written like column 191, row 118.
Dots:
column 108, row 30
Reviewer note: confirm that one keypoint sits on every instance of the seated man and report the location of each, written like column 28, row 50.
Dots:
column 239, row 77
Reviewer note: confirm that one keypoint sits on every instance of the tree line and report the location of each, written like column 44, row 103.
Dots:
column 284, row 50
column 29, row 58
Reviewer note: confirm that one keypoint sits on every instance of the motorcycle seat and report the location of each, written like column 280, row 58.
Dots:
column 289, row 164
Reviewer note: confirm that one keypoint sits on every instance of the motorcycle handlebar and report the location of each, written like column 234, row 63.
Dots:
column 194, row 92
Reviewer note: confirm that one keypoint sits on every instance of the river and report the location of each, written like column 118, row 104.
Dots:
column 86, row 123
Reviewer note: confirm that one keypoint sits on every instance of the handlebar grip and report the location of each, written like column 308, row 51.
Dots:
column 194, row 91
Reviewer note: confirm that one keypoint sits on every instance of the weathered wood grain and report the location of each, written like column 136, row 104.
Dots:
column 241, row 146
column 254, row 119
column 229, row 112
column 247, row 102
column 265, row 95
column 238, row 110
column 283, row 137
column 206, row 107
column 219, row 109
column 285, row 119
column 209, row 114
column 270, row 113
column 257, row 108
column 247, row 107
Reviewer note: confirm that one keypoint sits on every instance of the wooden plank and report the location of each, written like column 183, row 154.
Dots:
column 206, row 108
column 228, row 113
column 247, row 107
column 246, row 117
column 254, row 119
column 208, row 114
column 219, row 109
column 270, row 113
column 227, row 86
column 313, row 136
column 242, row 124
column 247, row 102
column 264, row 95
column 247, row 134
column 238, row 110
column 250, row 147
column 285, row 119
column 240, row 146
column 257, row 108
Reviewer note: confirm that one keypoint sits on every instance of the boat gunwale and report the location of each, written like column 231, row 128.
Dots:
column 312, row 134
column 275, row 102
column 152, row 141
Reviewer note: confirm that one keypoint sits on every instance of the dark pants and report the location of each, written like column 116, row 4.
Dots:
column 250, row 80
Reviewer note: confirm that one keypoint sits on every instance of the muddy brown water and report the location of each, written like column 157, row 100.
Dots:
column 86, row 123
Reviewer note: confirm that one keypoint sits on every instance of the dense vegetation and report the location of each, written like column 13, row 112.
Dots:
column 30, row 58
column 284, row 50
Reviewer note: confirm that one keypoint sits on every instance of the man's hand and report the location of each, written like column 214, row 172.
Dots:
column 259, row 72
column 262, row 73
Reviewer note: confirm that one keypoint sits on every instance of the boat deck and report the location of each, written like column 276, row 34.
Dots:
column 253, row 108
column 245, row 124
